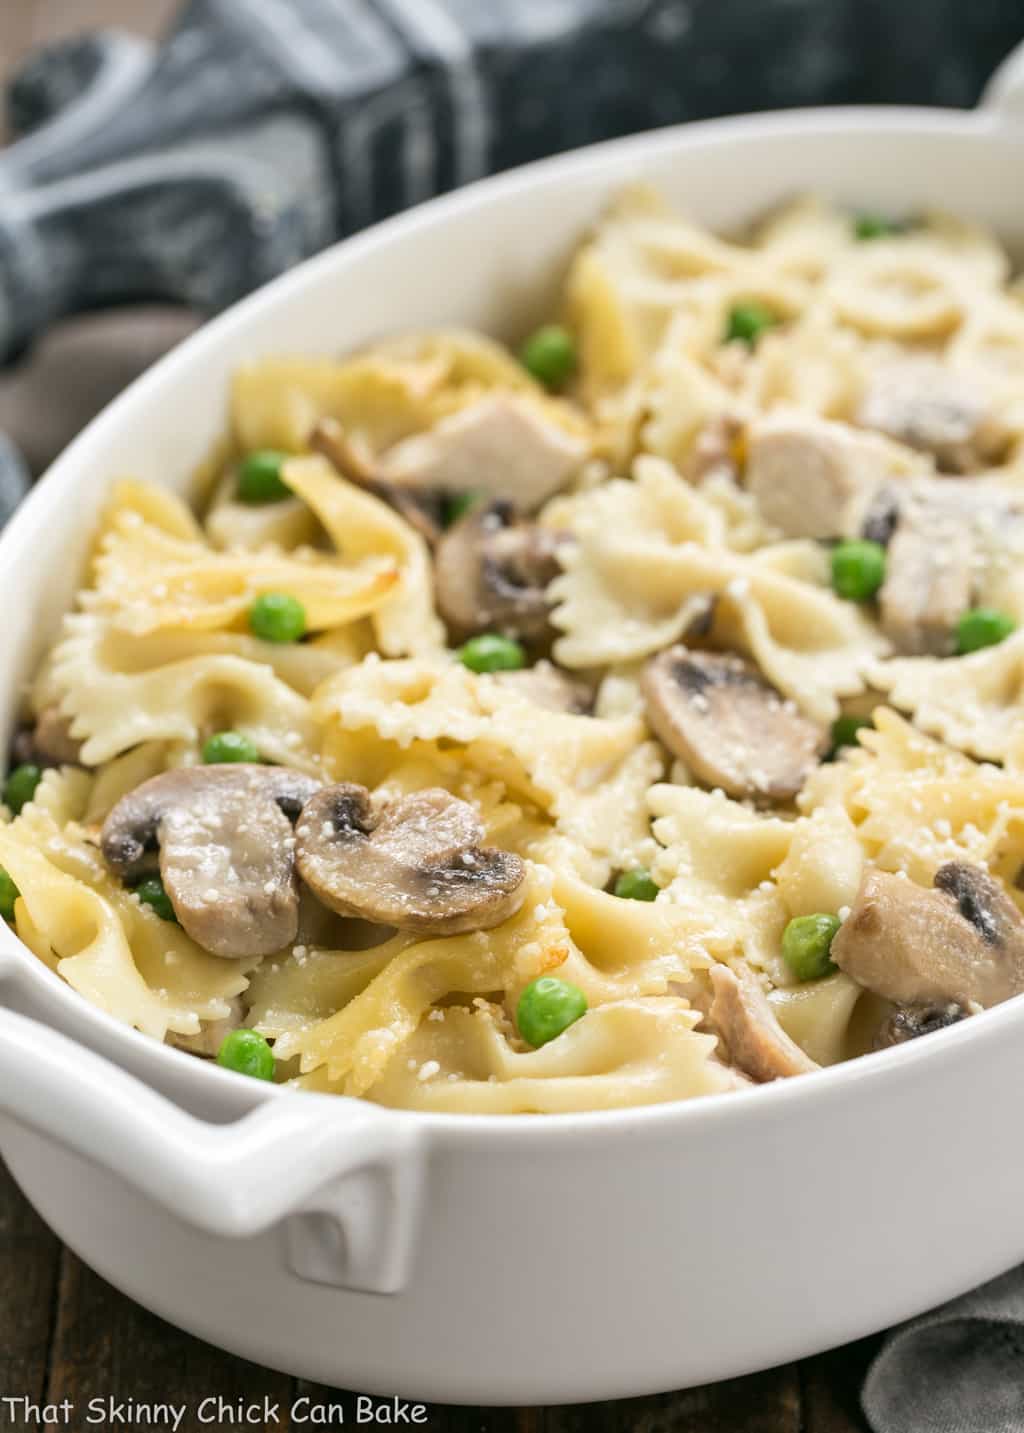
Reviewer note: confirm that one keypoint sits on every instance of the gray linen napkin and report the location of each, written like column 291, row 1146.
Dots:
column 958, row 1369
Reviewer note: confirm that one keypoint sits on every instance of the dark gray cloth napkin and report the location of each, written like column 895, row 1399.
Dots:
column 958, row 1369
column 270, row 127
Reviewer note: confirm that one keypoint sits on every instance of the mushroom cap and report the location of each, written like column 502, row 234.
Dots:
column 492, row 573
column 415, row 863
column 732, row 729
column 225, row 843
column 547, row 686
column 961, row 941
column 908, row 1022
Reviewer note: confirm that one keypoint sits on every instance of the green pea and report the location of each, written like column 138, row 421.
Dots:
column 456, row 505
column 845, row 729
column 9, row 893
column 547, row 1007
column 492, row 653
column 259, row 477
column 247, row 1053
column 875, row 226
column 635, row 885
column 225, row 746
column 151, row 893
column 806, row 943
column 549, row 355
column 747, row 321
column 858, row 569
column 277, row 617
column 982, row 627
column 20, row 786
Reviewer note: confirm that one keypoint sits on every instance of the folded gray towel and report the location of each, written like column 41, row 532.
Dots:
column 958, row 1369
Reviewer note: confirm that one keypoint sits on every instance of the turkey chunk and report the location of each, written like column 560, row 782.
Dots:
column 502, row 446
column 814, row 478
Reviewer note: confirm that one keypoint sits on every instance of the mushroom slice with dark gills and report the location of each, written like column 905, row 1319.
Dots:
column 492, row 573
column 415, row 863
column 908, row 1022
column 545, row 685
column 731, row 728
column 755, row 1043
column 225, row 841
column 962, row 941
column 49, row 742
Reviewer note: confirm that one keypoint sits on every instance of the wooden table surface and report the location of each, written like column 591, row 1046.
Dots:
column 64, row 1333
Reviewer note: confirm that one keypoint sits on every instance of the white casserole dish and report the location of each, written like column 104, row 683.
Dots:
column 508, row 1259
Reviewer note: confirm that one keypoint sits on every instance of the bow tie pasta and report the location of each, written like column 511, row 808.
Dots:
column 633, row 716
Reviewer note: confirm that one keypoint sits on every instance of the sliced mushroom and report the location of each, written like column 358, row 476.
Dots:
column 492, row 574
column 548, row 687
column 928, row 406
column 422, row 510
column 745, row 1023
column 211, row 1036
column 502, row 445
column 942, row 533
column 961, row 941
column 813, row 478
column 907, row 1022
column 225, row 843
column 49, row 742
column 718, row 715
column 415, row 863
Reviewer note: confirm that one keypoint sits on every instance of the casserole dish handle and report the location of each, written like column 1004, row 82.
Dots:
column 344, row 1176
column 1003, row 97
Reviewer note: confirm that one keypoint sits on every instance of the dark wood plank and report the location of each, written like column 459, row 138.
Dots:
column 106, row 1347
column 830, row 1387
column 29, row 1256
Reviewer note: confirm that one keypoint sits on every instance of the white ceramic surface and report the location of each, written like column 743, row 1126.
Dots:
column 496, row 1260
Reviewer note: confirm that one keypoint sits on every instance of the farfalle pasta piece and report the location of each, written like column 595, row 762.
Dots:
column 745, row 874
column 917, row 803
column 147, row 581
column 616, row 952
column 643, row 565
column 971, row 702
column 114, row 704
column 629, row 1052
column 363, row 530
column 578, row 770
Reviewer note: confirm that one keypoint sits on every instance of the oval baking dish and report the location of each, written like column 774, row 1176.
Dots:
column 508, row 1259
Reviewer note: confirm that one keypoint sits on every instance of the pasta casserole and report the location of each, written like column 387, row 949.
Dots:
column 630, row 716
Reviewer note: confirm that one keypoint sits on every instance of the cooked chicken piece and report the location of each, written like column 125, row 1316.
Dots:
column 928, row 406
column 225, row 843
column 814, row 478
column 745, row 1023
column 492, row 574
column 960, row 942
column 415, row 864
column 719, row 716
column 943, row 531
column 502, row 445
column 212, row 1034
column 908, row 1022
column 929, row 577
